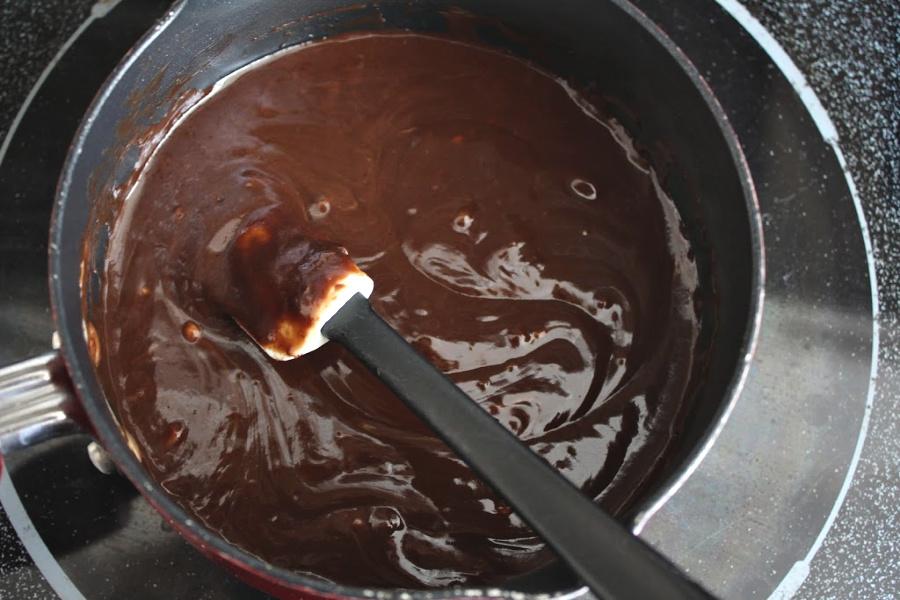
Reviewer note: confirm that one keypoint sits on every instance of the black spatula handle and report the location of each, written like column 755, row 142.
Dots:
column 609, row 559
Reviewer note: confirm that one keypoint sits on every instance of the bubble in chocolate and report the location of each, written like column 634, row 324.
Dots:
column 320, row 208
column 462, row 222
column 583, row 188
column 174, row 434
column 191, row 332
column 385, row 519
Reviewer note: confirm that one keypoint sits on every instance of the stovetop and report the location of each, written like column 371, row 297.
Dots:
column 798, row 497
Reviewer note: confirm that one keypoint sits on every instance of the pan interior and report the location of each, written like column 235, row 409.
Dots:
column 600, row 46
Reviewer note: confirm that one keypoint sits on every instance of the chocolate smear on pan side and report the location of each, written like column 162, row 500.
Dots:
column 513, row 237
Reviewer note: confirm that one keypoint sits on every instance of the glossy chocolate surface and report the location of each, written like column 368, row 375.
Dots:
column 514, row 236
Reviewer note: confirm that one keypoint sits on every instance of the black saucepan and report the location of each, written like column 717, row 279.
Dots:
column 642, row 80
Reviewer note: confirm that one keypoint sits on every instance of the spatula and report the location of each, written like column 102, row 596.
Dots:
column 292, row 294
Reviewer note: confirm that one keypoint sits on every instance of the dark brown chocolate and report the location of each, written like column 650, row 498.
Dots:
column 513, row 237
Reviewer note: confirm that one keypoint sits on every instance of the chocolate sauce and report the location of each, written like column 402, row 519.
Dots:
column 513, row 237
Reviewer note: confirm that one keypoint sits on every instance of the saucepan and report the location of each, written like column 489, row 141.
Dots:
column 641, row 78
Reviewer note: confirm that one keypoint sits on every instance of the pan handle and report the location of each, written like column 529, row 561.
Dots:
column 37, row 403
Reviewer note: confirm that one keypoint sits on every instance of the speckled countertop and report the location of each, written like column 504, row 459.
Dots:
column 847, row 51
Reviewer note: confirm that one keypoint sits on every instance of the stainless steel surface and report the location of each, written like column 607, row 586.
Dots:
column 36, row 404
column 750, row 514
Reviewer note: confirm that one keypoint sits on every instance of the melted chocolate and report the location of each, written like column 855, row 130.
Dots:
column 513, row 238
